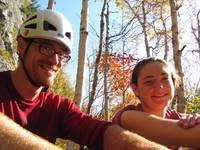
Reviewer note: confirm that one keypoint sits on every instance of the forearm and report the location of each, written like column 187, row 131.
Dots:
column 116, row 138
column 161, row 130
column 14, row 137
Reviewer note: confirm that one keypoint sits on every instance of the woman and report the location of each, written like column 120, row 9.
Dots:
column 154, row 82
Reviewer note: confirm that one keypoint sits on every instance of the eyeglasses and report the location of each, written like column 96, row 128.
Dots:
column 48, row 51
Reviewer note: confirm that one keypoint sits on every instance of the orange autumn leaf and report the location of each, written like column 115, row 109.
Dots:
column 120, row 68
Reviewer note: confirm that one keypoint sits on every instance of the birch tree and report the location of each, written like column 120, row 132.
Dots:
column 106, row 100
column 81, row 60
column 177, row 52
column 51, row 4
column 81, row 54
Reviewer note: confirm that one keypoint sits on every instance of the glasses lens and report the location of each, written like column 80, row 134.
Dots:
column 65, row 58
column 49, row 51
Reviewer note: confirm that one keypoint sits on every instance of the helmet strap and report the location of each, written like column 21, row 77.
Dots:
column 24, row 67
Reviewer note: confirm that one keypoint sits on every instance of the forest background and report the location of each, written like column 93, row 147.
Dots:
column 114, row 39
column 129, row 31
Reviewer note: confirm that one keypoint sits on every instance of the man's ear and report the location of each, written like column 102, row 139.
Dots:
column 135, row 89
column 21, row 44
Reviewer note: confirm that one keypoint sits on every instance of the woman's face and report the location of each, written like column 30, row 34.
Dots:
column 155, row 87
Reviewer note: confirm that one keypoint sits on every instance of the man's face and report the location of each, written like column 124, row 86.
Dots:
column 43, row 60
column 155, row 87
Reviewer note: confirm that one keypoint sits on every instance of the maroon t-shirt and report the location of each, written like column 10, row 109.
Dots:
column 50, row 116
column 170, row 114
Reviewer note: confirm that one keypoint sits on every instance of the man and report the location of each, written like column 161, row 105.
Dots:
column 44, row 45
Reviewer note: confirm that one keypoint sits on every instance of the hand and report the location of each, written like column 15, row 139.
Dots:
column 189, row 120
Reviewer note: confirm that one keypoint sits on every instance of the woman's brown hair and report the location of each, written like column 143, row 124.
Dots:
column 142, row 63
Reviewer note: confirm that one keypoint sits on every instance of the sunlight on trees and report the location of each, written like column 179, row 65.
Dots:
column 62, row 86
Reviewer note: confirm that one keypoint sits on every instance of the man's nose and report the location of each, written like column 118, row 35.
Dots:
column 55, row 59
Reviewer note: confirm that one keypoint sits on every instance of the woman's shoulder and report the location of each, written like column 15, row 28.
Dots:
column 117, row 116
column 137, row 107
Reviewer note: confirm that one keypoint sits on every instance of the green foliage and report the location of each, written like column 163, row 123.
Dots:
column 61, row 143
column 119, row 3
column 62, row 86
column 193, row 103
column 29, row 7
column 7, row 57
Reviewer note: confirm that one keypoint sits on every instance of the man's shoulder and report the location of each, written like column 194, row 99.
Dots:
column 5, row 80
column 52, row 98
column 4, row 74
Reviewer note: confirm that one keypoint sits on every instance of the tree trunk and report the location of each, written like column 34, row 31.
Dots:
column 166, row 50
column 51, row 4
column 177, row 56
column 95, row 77
column 144, row 30
column 81, row 54
column 106, row 66
column 81, row 61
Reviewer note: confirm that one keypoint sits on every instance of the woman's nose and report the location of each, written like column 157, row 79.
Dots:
column 159, row 85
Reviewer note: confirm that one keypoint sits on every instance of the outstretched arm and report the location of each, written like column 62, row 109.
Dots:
column 164, row 131
column 14, row 137
column 116, row 138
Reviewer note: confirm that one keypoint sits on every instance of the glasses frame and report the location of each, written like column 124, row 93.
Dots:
column 48, row 51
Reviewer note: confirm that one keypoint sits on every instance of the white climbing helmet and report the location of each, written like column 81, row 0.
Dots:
column 48, row 24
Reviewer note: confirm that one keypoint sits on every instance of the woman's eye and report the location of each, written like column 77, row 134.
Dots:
column 148, row 82
column 165, row 78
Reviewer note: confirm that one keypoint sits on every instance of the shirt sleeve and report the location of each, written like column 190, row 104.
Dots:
column 117, row 117
column 81, row 127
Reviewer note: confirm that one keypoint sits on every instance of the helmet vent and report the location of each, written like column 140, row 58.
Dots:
column 33, row 17
column 31, row 26
column 47, row 26
column 68, row 34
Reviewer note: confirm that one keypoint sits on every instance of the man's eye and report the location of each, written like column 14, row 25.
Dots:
column 47, row 48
